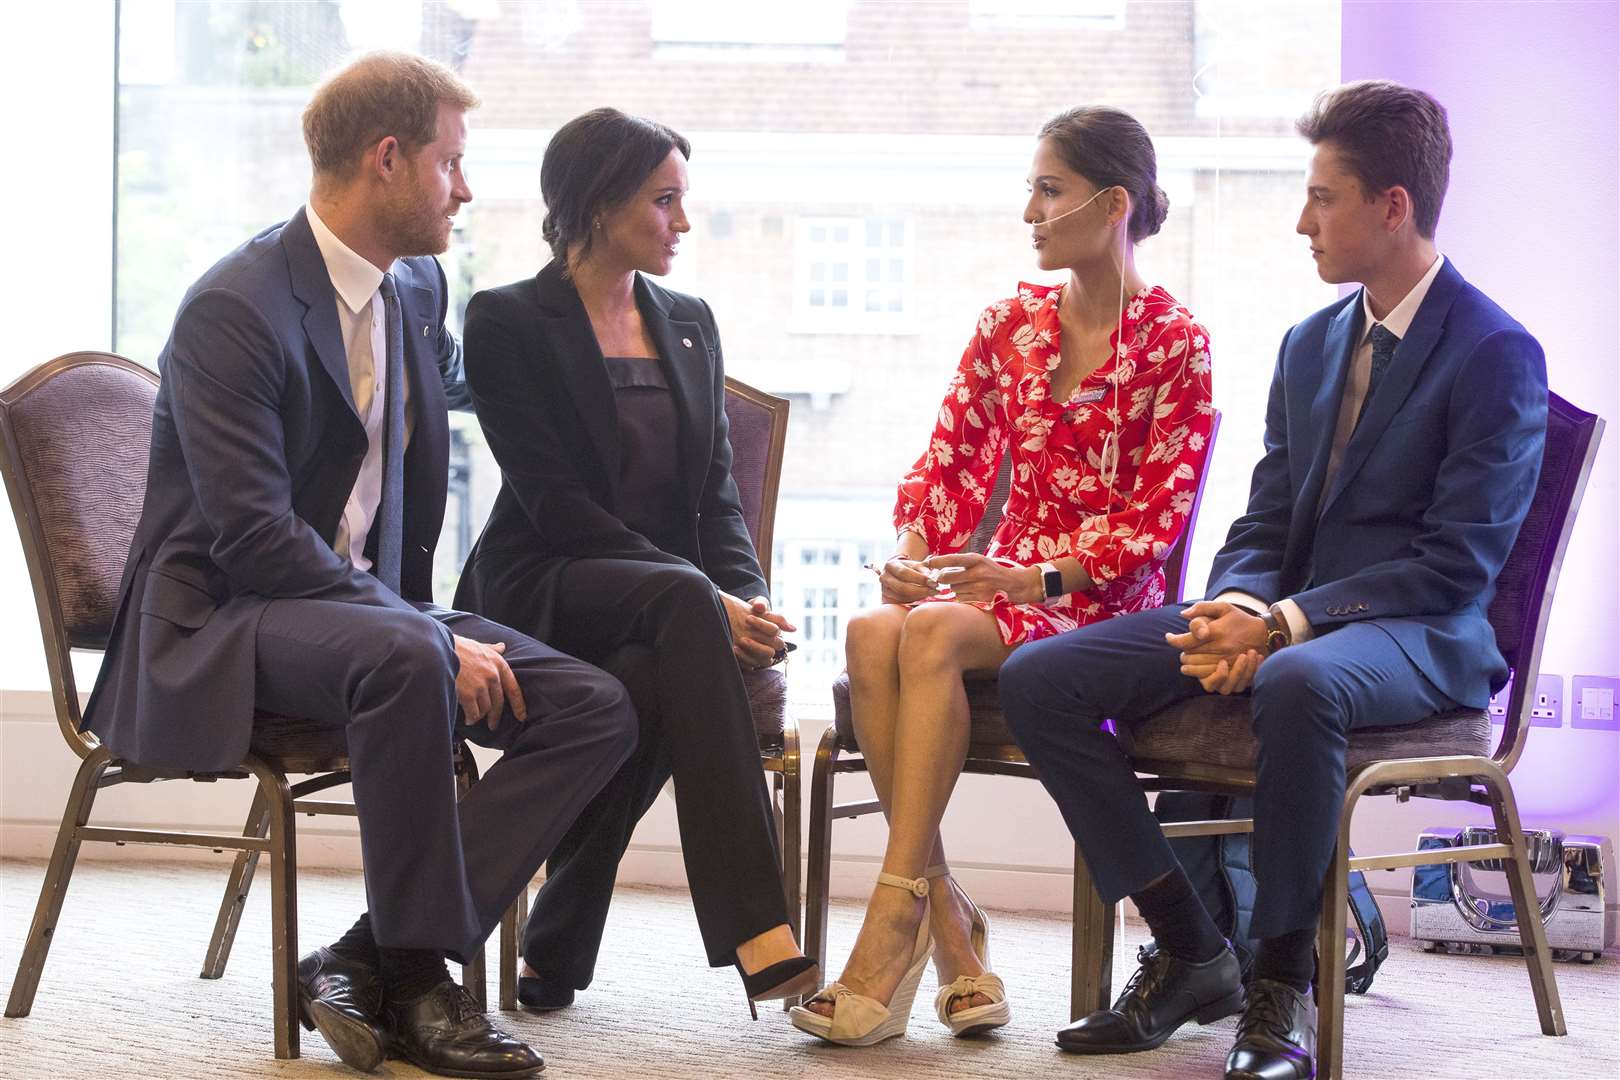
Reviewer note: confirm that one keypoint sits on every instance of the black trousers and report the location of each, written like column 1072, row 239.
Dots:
column 662, row 630
column 1305, row 699
column 438, row 873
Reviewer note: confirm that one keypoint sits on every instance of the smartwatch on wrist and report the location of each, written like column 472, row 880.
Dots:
column 1277, row 635
column 1051, row 582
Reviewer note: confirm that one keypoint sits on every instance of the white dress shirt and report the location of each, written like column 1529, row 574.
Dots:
column 1397, row 322
column 363, row 325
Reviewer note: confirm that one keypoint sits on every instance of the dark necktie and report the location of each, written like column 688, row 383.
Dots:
column 1383, row 350
column 391, row 507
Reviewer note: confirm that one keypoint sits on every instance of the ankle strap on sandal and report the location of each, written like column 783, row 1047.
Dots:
column 938, row 870
column 917, row 887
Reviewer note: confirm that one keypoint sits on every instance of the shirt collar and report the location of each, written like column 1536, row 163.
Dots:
column 1400, row 317
column 355, row 279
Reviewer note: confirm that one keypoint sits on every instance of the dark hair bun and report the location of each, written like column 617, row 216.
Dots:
column 1155, row 208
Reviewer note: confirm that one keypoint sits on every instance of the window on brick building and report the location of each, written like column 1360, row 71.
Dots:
column 852, row 275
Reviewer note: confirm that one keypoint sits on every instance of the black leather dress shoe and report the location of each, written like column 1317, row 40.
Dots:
column 1165, row 993
column 1276, row 1039
column 544, row 994
column 445, row 1032
column 343, row 1000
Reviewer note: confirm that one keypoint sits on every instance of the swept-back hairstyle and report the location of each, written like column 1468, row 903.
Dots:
column 1109, row 148
column 593, row 163
column 377, row 95
column 1388, row 135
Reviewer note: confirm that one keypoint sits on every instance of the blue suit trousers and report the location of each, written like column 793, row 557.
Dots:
column 1305, row 700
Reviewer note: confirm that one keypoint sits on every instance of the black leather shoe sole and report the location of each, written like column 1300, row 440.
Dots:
column 356, row 1043
column 469, row 1074
column 1230, row 1005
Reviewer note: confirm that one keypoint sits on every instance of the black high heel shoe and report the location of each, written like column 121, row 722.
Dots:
column 793, row 977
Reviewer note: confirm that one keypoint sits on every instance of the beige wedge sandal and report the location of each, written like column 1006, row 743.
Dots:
column 858, row 1020
column 980, row 1018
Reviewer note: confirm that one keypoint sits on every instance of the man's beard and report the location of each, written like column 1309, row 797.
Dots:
column 416, row 228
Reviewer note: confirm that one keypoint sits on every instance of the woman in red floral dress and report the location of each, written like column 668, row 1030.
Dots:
column 1099, row 389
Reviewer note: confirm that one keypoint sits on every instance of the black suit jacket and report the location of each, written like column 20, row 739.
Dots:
column 255, row 449
column 541, row 390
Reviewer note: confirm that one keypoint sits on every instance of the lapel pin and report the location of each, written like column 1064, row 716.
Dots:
column 687, row 342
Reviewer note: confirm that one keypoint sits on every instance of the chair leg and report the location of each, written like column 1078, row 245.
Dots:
column 1091, row 964
column 473, row 979
column 1527, row 911
column 818, row 884
column 81, row 798
column 237, row 887
column 510, row 934
column 792, row 835
column 1330, row 945
column 283, row 904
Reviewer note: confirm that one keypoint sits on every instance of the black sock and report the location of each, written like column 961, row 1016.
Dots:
column 357, row 945
column 1178, row 920
column 407, row 974
column 1288, row 958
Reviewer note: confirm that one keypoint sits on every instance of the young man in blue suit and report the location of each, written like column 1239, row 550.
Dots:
column 1403, row 440
column 283, row 564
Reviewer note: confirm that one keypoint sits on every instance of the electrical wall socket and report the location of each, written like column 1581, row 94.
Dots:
column 1592, row 700
column 1497, row 709
column 1547, row 704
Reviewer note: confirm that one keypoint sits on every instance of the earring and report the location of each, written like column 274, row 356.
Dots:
column 597, row 224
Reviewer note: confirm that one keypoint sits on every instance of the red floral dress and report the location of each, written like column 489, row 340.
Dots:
column 1155, row 386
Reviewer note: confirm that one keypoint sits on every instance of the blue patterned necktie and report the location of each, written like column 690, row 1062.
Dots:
column 391, row 507
column 1383, row 350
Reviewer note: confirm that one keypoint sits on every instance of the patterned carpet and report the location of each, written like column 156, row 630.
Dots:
column 120, row 998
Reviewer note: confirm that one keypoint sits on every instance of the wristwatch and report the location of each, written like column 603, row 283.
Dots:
column 1277, row 634
column 1051, row 581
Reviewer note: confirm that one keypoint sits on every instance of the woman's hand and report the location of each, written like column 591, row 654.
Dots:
column 902, row 581
column 756, row 630
column 978, row 578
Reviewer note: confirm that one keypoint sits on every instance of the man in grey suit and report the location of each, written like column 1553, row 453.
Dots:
column 283, row 564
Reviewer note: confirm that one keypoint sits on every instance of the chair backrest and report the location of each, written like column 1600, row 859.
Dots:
column 1175, row 563
column 1524, row 588
column 74, row 439
column 758, row 424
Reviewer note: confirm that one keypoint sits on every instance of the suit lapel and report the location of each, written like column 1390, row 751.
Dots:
column 1405, row 366
column 427, row 464
column 312, row 285
column 1337, row 346
column 684, row 356
column 566, row 329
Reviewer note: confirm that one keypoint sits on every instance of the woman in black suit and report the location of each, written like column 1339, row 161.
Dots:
column 618, row 536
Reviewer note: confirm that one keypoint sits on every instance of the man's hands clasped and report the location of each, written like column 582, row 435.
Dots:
column 1223, row 646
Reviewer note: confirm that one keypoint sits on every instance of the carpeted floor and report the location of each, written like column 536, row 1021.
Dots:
column 120, row 998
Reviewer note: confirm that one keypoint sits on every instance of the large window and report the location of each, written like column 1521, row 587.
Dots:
column 858, row 184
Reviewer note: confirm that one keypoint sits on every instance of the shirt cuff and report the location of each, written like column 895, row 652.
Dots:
column 1248, row 601
column 1299, row 627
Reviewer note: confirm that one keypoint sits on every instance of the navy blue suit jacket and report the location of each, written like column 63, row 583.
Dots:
column 256, row 446
column 1432, row 488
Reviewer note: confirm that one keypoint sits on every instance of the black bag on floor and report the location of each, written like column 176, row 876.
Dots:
column 1223, row 877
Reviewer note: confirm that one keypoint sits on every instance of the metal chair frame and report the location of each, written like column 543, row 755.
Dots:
column 270, row 828
column 983, row 759
column 1476, row 779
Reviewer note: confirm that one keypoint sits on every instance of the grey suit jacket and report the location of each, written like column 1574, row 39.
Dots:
column 256, row 446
